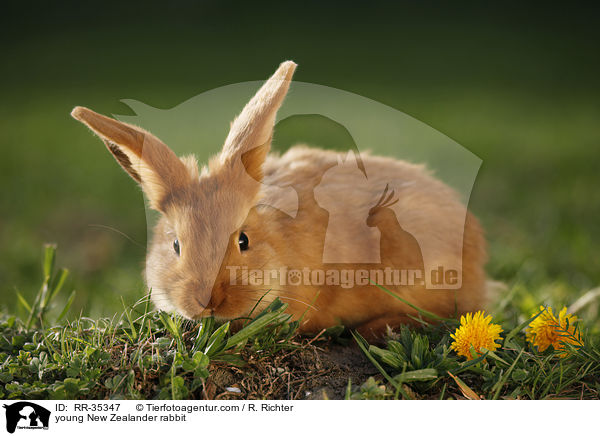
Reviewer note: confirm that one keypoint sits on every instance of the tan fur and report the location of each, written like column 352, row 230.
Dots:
column 206, row 212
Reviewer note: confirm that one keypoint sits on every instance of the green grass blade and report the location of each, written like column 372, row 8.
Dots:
column 348, row 394
column 216, row 341
column 425, row 374
column 469, row 363
column 257, row 325
column 49, row 259
column 126, row 312
column 204, row 331
column 520, row 327
column 423, row 312
column 501, row 382
column 57, row 284
column 23, row 302
column 67, row 306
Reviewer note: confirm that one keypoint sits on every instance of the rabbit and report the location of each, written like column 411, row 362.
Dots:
column 222, row 225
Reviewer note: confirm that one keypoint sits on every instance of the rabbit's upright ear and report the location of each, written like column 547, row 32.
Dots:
column 143, row 156
column 249, row 138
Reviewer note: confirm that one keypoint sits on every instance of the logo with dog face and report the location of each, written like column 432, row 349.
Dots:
column 26, row 415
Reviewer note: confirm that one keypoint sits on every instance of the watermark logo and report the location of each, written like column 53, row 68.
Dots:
column 25, row 415
column 390, row 210
column 343, row 278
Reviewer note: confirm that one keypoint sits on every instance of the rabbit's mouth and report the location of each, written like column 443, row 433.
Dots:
column 208, row 310
column 206, row 313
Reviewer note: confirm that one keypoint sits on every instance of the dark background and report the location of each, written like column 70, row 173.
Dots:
column 517, row 84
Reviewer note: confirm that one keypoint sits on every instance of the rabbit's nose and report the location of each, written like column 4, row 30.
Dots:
column 216, row 298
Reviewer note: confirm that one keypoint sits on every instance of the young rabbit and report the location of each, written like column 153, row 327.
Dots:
column 224, row 246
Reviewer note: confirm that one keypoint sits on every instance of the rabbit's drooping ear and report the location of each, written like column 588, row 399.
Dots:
column 143, row 156
column 250, row 135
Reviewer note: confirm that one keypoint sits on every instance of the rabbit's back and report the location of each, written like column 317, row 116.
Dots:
column 335, row 196
column 342, row 186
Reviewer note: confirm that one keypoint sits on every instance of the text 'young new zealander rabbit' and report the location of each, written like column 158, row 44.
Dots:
column 224, row 243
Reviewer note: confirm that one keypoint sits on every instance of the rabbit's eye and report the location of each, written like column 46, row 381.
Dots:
column 176, row 246
column 243, row 241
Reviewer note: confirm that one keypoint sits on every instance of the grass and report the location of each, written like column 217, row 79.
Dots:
column 143, row 354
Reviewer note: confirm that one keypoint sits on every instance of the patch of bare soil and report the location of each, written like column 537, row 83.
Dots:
column 311, row 371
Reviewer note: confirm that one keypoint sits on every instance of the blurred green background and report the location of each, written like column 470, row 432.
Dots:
column 516, row 84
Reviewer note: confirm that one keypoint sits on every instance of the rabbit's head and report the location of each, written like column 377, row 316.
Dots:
column 204, row 213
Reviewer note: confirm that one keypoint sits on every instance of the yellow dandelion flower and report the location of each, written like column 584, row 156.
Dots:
column 475, row 330
column 548, row 330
